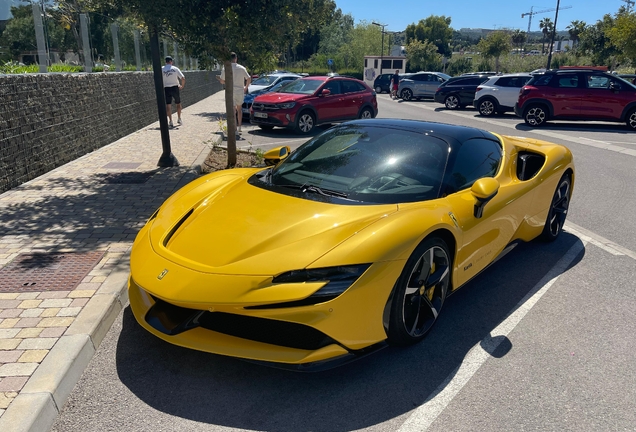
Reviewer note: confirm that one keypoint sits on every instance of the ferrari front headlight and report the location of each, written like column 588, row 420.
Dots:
column 338, row 278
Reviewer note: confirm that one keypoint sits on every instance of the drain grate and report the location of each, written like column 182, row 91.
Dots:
column 121, row 165
column 47, row 271
column 132, row 177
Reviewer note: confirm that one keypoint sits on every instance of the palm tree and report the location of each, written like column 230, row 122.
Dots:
column 546, row 27
column 518, row 37
column 575, row 29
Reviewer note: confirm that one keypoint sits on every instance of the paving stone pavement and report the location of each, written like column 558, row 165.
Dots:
column 48, row 337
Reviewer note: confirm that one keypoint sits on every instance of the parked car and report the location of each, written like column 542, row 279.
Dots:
column 249, row 98
column 382, row 83
column 271, row 79
column 354, row 239
column 577, row 94
column 307, row 102
column 459, row 92
column 499, row 94
column 420, row 85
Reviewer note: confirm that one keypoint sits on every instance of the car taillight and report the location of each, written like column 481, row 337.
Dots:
column 478, row 88
column 524, row 91
column 438, row 89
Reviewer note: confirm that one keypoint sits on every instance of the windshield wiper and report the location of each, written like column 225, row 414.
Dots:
column 316, row 189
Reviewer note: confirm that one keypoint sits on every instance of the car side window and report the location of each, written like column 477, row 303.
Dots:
column 475, row 159
column 419, row 78
column 598, row 81
column 543, row 81
column 333, row 87
column 518, row 82
column 568, row 81
column 351, row 87
column 503, row 82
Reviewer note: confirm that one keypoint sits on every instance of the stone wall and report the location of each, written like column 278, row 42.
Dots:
column 47, row 120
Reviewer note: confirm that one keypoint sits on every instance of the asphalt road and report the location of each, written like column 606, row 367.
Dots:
column 543, row 340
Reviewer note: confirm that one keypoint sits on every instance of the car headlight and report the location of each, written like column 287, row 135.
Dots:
column 338, row 278
column 287, row 105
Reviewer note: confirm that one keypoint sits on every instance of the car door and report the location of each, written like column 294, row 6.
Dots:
column 419, row 84
column 329, row 107
column 605, row 97
column 565, row 93
column 485, row 237
column 352, row 93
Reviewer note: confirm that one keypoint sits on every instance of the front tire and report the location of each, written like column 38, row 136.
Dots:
column 420, row 292
column 406, row 94
column 487, row 108
column 305, row 122
column 535, row 115
column 558, row 209
column 378, row 89
column 451, row 102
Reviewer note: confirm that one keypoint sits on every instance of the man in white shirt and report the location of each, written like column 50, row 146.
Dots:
column 171, row 87
column 241, row 81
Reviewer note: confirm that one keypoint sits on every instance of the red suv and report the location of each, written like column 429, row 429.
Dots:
column 577, row 94
column 306, row 102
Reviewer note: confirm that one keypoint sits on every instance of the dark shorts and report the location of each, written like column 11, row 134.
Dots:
column 172, row 92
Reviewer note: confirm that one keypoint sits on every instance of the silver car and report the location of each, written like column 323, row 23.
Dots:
column 421, row 85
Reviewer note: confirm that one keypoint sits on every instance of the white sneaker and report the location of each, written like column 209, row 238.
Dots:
column 179, row 122
column 239, row 129
column 170, row 125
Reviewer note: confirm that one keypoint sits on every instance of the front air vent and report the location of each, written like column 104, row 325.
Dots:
column 176, row 227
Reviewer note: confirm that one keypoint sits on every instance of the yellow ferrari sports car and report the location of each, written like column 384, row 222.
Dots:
column 351, row 242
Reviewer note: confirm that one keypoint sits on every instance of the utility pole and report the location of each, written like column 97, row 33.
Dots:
column 556, row 17
column 382, row 49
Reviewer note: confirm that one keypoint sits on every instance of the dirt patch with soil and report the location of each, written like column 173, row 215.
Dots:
column 217, row 160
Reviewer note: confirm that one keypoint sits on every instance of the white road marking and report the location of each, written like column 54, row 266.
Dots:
column 422, row 417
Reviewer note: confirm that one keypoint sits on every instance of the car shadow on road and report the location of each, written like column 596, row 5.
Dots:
column 615, row 128
column 228, row 392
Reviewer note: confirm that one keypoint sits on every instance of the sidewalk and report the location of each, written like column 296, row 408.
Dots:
column 65, row 240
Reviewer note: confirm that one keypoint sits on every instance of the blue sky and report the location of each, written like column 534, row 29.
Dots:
column 476, row 14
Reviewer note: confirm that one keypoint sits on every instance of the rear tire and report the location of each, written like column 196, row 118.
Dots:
column 558, row 209
column 366, row 113
column 419, row 292
column 487, row 107
column 452, row 102
column 631, row 120
column 378, row 89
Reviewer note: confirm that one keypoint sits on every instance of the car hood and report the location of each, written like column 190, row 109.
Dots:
column 278, row 97
column 233, row 227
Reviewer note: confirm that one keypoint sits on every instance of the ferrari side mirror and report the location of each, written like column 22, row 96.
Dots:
column 483, row 190
column 275, row 155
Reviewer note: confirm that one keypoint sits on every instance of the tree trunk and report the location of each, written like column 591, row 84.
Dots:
column 230, row 114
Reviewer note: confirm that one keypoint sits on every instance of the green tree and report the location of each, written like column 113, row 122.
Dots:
column 623, row 35
column 518, row 38
column 422, row 55
column 546, row 25
column 19, row 34
column 575, row 29
column 495, row 44
column 595, row 42
column 435, row 29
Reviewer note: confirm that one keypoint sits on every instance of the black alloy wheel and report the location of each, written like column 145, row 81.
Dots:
column 406, row 94
column 631, row 119
column 535, row 116
column 419, row 292
column 558, row 209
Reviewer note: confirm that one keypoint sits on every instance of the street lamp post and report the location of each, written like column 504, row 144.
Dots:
column 382, row 50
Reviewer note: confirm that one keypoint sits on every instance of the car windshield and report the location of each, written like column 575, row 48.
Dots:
column 265, row 80
column 302, row 86
column 367, row 164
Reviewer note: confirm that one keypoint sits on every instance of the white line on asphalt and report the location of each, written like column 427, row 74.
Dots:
column 422, row 417
column 606, row 142
column 597, row 240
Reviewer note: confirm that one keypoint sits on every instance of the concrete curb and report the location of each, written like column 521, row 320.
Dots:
column 40, row 401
